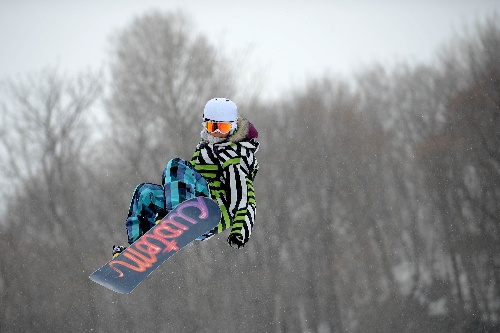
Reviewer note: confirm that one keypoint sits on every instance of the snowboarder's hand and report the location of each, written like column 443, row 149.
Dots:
column 235, row 240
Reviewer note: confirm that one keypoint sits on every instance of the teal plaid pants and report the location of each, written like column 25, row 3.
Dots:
column 180, row 182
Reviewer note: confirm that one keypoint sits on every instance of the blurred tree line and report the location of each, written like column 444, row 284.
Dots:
column 377, row 199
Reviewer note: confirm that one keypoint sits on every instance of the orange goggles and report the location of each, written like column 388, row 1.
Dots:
column 213, row 126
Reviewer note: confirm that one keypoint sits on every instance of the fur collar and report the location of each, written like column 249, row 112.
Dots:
column 242, row 130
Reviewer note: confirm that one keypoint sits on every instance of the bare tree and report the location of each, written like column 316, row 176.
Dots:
column 42, row 149
column 161, row 76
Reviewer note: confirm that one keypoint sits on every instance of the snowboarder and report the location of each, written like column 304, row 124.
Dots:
column 223, row 168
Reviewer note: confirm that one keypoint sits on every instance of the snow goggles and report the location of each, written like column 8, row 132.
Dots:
column 223, row 127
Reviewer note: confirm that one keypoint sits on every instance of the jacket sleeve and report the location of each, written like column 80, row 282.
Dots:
column 241, row 203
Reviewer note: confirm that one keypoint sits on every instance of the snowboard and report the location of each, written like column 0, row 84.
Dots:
column 188, row 221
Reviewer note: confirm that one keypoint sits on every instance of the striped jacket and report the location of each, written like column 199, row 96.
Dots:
column 230, row 168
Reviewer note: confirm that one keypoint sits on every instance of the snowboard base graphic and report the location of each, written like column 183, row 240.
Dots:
column 181, row 226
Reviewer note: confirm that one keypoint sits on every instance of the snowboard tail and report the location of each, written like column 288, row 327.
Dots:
column 181, row 226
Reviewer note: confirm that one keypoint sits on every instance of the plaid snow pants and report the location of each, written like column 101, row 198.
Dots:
column 180, row 182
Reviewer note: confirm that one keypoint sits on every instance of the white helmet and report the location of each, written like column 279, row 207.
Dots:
column 220, row 109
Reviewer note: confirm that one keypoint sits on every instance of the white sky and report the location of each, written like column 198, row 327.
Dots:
column 291, row 40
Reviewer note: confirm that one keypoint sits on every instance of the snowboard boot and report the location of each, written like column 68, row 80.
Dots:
column 160, row 216
column 117, row 249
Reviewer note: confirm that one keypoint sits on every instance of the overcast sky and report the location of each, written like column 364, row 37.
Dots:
column 292, row 40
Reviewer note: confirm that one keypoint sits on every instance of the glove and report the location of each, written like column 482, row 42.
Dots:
column 117, row 249
column 235, row 241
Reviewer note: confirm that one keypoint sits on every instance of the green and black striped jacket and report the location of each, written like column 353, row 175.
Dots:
column 230, row 168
